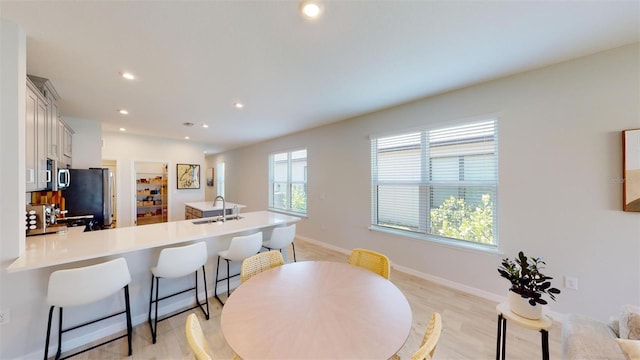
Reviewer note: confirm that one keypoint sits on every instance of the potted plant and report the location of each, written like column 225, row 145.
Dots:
column 528, row 285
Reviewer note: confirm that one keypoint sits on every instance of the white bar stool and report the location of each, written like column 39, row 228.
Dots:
column 174, row 263
column 281, row 237
column 85, row 285
column 241, row 247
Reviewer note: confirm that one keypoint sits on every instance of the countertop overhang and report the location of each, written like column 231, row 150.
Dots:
column 62, row 248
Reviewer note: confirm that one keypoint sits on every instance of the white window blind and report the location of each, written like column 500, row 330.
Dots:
column 437, row 182
column 288, row 181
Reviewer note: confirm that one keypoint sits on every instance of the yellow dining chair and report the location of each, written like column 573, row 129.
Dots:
column 258, row 263
column 197, row 341
column 195, row 338
column 430, row 340
column 371, row 260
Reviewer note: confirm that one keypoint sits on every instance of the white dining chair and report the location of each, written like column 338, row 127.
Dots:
column 175, row 263
column 240, row 248
column 281, row 237
column 86, row 285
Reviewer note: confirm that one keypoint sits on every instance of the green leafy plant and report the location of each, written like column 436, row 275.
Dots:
column 526, row 278
column 456, row 219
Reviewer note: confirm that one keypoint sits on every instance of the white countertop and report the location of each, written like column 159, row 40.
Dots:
column 62, row 248
column 208, row 205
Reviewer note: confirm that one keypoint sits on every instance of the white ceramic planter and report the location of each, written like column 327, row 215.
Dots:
column 521, row 306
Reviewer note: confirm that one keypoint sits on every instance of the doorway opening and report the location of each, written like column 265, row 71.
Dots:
column 151, row 193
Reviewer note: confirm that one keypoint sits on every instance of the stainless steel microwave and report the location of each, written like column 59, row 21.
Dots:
column 57, row 179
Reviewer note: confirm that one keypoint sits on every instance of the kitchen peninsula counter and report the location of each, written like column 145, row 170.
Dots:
column 62, row 248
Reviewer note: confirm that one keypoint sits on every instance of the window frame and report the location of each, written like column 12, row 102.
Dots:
column 289, row 183
column 425, row 185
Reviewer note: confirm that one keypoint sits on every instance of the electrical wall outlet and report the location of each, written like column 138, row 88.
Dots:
column 5, row 316
column 571, row 283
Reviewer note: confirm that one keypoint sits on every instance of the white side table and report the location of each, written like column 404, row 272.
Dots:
column 543, row 325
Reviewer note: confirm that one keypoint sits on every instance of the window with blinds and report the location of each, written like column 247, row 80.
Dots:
column 438, row 182
column 288, row 181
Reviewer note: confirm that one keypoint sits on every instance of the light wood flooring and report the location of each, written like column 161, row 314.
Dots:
column 469, row 322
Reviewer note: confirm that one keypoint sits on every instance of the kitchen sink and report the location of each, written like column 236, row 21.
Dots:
column 214, row 220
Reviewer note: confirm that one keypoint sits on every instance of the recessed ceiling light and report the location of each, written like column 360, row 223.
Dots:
column 205, row 126
column 311, row 9
column 123, row 129
column 186, row 138
column 128, row 75
column 238, row 105
column 123, row 112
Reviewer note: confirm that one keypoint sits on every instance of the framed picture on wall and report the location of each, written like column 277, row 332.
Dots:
column 188, row 176
column 631, row 161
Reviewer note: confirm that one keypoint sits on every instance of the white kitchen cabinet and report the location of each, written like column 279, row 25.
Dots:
column 66, row 141
column 37, row 111
column 51, row 124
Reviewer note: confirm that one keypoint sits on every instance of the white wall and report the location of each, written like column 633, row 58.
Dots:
column 13, row 72
column 129, row 149
column 85, row 144
column 560, row 197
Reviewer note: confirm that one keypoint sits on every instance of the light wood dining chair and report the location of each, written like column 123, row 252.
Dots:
column 258, row 263
column 197, row 340
column 371, row 260
column 195, row 337
column 429, row 341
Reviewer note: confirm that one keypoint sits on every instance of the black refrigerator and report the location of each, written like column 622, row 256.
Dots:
column 89, row 193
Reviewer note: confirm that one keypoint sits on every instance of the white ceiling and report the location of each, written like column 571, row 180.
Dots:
column 195, row 59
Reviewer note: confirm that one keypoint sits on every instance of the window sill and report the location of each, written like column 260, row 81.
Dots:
column 280, row 211
column 453, row 244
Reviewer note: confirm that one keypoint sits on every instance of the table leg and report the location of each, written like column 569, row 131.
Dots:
column 545, row 344
column 501, row 337
column 504, row 337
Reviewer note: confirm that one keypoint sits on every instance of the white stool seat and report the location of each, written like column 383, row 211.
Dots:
column 281, row 237
column 180, row 261
column 74, row 287
column 240, row 248
column 85, row 285
column 174, row 263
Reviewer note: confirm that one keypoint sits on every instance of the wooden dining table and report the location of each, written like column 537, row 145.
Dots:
column 316, row 310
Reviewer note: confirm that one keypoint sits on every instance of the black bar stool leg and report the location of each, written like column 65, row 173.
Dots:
column 228, row 280
column 294, row 251
column 59, row 352
column 128, row 314
column 215, row 287
column 46, row 346
column 206, row 293
column 155, row 321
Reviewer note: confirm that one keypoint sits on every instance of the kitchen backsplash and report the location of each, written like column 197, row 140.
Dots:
column 48, row 197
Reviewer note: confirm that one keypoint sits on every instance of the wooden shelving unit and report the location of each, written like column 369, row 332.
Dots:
column 151, row 198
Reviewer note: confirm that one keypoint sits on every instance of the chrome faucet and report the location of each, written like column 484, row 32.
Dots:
column 224, row 206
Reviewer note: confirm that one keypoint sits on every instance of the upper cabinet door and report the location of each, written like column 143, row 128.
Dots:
column 31, row 136
column 42, row 117
column 52, row 130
